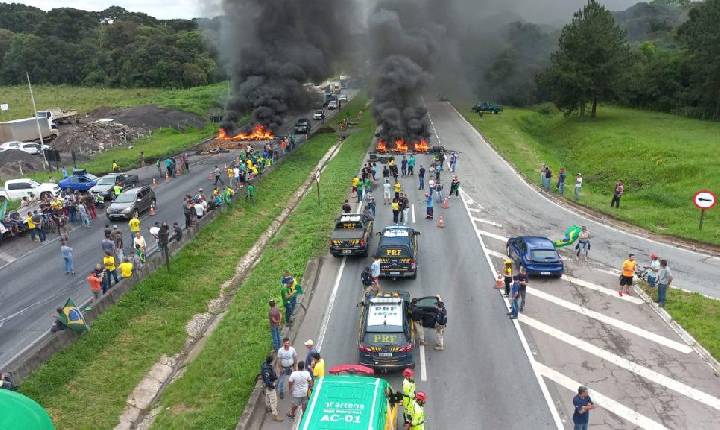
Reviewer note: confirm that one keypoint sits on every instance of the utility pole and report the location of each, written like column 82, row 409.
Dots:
column 37, row 121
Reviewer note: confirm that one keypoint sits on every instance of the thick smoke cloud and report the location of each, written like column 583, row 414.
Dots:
column 273, row 47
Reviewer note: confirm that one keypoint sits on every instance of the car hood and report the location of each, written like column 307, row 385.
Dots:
column 100, row 188
column 119, row 207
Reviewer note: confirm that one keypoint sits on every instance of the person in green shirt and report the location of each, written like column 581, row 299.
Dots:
column 289, row 291
column 250, row 192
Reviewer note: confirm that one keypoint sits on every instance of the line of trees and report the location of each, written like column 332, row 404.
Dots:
column 113, row 47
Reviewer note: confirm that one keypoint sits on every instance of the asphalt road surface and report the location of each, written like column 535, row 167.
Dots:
column 32, row 278
column 497, row 373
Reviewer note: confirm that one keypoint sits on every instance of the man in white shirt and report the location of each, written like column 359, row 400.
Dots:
column 578, row 186
column 299, row 383
column 286, row 358
column 386, row 191
column 199, row 210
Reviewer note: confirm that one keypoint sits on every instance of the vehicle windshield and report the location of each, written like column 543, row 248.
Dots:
column 544, row 255
column 107, row 180
column 385, row 317
column 126, row 198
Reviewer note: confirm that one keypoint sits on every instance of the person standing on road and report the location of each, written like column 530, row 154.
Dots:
column 134, row 225
column 453, row 161
column 386, row 172
column 664, row 278
column 395, row 206
column 288, row 292
column 387, row 191
column 416, row 317
column 110, row 272
column 355, row 182
column 523, row 279
column 561, row 181
column 116, row 236
column 619, row 190
column 217, row 174
column 375, row 273
column 125, row 268
column 440, row 324
column 583, row 404
column 31, row 226
column 346, row 208
column 578, row 186
column 403, row 166
column 408, row 390
column 405, row 205
column 318, row 366
column 275, row 319
column 507, row 275
column 515, row 294
column 310, row 346
column 286, row 358
column 429, row 206
column 421, row 178
column 583, row 245
column 417, row 419
column 628, row 271
column 299, row 383
column 188, row 212
column 67, row 254
column 107, row 244
column 270, row 378
column 411, row 164
column 455, row 186
column 95, row 283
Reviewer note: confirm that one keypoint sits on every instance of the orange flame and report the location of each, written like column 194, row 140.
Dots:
column 381, row 146
column 400, row 145
column 422, row 146
column 259, row 132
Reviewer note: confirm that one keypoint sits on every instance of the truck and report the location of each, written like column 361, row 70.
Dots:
column 59, row 116
column 351, row 235
column 16, row 189
column 487, row 107
column 26, row 129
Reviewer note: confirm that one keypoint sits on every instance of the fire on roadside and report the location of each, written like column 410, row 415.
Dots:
column 259, row 132
column 381, row 146
column 422, row 146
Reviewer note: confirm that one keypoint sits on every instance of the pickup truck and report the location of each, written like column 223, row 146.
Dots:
column 302, row 126
column 16, row 189
column 487, row 107
column 351, row 236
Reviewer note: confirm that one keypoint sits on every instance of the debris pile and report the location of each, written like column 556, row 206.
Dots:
column 97, row 136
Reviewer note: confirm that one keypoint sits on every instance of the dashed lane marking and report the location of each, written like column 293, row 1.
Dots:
column 523, row 341
column 624, row 363
column 7, row 257
column 602, row 400
column 661, row 340
column 423, row 367
column 487, row 221
column 599, row 288
column 412, row 211
column 492, row 235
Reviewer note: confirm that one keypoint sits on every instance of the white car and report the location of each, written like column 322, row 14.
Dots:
column 27, row 147
column 16, row 189
column 342, row 98
column 318, row 115
column 332, row 105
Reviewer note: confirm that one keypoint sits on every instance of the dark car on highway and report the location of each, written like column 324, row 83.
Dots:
column 80, row 180
column 536, row 254
column 302, row 126
column 351, row 235
column 385, row 337
column 397, row 249
column 105, row 185
column 135, row 200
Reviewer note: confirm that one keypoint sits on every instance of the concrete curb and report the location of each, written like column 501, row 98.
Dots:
column 254, row 413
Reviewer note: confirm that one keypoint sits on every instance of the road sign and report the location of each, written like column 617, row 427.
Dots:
column 704, row 199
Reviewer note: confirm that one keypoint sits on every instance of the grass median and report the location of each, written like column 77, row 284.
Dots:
column 663, row 160
column 86, row 385
column 213, row 391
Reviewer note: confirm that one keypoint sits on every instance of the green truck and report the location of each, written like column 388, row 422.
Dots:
column 350, row 398
column 487, row 107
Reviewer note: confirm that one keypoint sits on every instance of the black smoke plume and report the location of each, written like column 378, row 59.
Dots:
column 273, row 48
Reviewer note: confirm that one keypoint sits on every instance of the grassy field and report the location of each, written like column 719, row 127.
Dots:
column 662, row 159
column 85, row 99
column 86, row 385
column 213, row 391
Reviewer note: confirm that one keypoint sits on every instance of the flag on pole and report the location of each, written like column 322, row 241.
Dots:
column 73, row 318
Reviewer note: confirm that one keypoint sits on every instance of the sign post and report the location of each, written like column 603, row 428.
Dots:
column 317, row 181
column 704, row 200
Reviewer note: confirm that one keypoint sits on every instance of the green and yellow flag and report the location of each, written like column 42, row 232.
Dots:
column 73, row 318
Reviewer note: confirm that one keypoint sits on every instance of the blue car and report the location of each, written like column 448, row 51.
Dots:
column 536, row 254
column 78, row 182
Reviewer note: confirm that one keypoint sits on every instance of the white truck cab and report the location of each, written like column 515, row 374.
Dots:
column 16, row 189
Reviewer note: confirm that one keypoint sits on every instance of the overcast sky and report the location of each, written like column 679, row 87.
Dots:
column 194, row 8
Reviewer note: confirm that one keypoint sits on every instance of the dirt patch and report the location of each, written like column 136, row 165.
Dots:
column 147, row 117
column 12, row 161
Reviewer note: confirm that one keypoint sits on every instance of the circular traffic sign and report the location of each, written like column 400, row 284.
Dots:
column 705, row 199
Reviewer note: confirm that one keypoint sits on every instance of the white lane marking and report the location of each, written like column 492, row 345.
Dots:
column 487, row 221
column 601, row 289
column 478, row 209
column 7, row 257
column 601, row 400
column 622, row 325
column 432, row 124
column 626, row 364
column 412, row 211
column 598, row 223
column 423, row 367
column 496, row 254
column 331, row 303
column 492, row 235
column 533, row 364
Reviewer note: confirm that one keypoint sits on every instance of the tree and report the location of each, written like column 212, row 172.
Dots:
column 590, row 61
column 701, row 36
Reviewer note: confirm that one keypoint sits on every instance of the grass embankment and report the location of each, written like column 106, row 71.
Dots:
column 662, row 159
column 213, row 391
column 85, row 99
column 86, row 385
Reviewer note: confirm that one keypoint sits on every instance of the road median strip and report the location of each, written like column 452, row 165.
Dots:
column 150, row 320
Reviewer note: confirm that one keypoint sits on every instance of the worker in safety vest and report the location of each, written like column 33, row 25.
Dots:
column 117, row 189
column 408, row 388
column 417, row 421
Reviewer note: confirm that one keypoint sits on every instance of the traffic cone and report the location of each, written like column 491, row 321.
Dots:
column 446, row 203
column 152, row 209
column 441, row 222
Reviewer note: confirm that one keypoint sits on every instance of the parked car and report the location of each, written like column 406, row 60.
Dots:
column 386, row 340
column 398, row 252
column 342, row 98
column 16, row 189
column 27, row 147
column 80, row 180
column 105, row 185
column 319, row 115
column 302, row 126
column 134, row 200
column 536, row 254
column 332, row 105
column 351, row 235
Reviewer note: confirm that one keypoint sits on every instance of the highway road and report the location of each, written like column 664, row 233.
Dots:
column 522, row 374
column 32, row 278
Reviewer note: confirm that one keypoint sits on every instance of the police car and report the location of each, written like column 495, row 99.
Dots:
column 385, row 338
column 397, row 250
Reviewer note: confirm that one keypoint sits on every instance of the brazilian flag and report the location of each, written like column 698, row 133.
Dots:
column 73, row 318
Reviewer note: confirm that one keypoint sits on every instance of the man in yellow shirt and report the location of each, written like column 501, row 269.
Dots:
column 628, row 271
column 398, row 188
column 110, row 272
column 126, row 268
column 31, row 226
column 318, row 367
column 134, row 225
